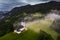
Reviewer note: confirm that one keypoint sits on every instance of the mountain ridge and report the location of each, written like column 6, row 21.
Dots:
column 35, row 8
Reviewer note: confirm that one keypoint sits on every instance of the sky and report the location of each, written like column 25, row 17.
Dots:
column 7, row 5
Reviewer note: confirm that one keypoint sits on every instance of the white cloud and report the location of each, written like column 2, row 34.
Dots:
column 33, row 3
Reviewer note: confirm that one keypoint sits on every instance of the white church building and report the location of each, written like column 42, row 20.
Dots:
column 22, row 27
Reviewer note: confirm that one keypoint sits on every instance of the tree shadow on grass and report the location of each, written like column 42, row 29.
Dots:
column 45, row 36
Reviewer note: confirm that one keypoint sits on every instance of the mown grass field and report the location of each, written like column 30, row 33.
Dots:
column 33, row 31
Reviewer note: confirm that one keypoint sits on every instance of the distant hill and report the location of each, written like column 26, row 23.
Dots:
column 3, row 12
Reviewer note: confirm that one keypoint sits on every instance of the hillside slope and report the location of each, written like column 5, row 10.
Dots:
column 33, row 31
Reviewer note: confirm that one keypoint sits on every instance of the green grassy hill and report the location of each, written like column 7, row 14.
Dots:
column 33, row 31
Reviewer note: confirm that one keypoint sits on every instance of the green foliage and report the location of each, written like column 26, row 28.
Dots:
column 6, row 25
column 5, row 28
column 45, row 36
column 7, row 20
